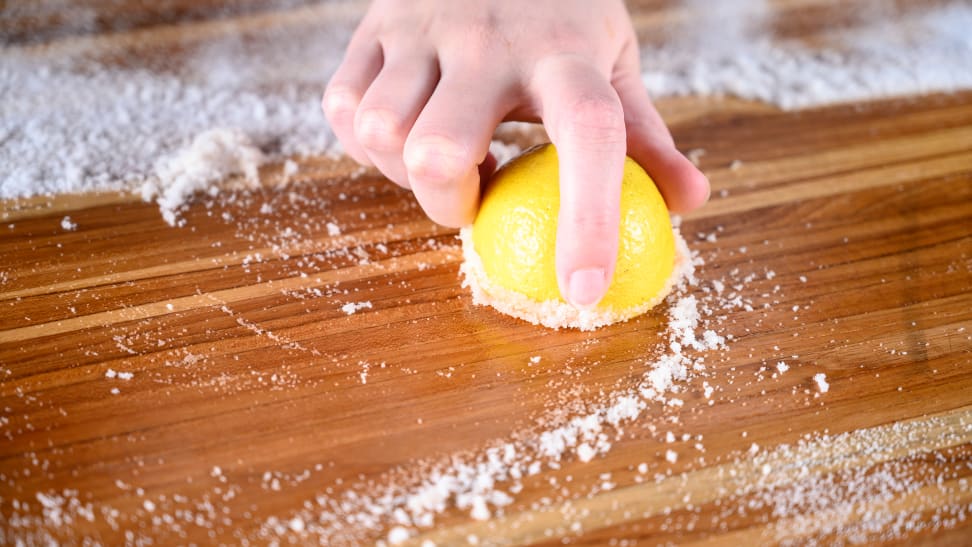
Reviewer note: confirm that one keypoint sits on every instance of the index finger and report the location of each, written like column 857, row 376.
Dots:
column 582, row 114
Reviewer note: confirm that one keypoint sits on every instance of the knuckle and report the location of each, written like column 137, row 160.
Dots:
column 339, row 102
column 561, row 38
column 481, row 35
column 436, row 160
column 596, row 119
column 379, row 129
column 593, row 222
column 480, row 47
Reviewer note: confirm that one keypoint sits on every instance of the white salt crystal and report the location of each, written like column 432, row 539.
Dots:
column 333, row 230
column 352, row 307
column 296, row 524
column 585, row 453
column 290, row 168
column 479, row 509
column 671, row 456
column 398, row 535
column 782, row 367
column 821, row 380
column 66, row 224
column 214, row 155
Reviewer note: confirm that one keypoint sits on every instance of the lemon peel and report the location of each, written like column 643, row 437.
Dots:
column 557, row 314
column 509, row 262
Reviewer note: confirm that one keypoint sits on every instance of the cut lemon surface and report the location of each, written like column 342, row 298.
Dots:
column 510, row 249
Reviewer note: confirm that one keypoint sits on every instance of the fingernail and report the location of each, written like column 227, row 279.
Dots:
column 586, row 287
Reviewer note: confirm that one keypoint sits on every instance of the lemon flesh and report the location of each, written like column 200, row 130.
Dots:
column 514, row 240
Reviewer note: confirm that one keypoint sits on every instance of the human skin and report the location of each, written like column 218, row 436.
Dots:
column 424, row 83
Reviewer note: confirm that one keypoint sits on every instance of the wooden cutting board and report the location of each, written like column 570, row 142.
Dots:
column 255, row 397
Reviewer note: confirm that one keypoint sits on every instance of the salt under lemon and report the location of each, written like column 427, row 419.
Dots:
column 510, row 248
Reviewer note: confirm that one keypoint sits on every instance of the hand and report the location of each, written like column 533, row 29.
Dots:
column 424, row 84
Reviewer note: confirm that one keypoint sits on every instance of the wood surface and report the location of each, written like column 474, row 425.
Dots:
column 247, row 373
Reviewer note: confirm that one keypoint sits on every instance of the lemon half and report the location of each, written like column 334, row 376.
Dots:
column 510, row 248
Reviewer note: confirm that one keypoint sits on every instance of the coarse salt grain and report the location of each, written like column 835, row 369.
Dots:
column 585, row 453
column 821, row 380
column 398, row 535
column 353, row 307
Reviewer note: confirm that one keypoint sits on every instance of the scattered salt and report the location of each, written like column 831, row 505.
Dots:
column 479, row 510
column 353, row 307
column 725, row 48
column 585, row 453
column 398, row 535
column 821, row 380
column 214, row 155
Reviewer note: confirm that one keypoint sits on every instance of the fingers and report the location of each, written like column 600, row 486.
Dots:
column 390, row 107
column 360, row 66
column 650, row 144
column 583, row 116
column 447, row 144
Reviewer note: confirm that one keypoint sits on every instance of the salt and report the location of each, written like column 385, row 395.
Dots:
column 821, row 380
column 119, row 128
column 585, row 453
column 352, row 307
column 479, row 510
column 398, row 535
column 213, row 156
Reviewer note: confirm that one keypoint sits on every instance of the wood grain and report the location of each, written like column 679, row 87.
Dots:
column 254, row 396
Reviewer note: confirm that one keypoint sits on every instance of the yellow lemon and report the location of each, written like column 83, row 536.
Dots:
column 510, row 248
